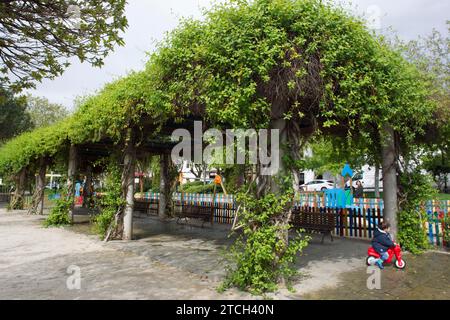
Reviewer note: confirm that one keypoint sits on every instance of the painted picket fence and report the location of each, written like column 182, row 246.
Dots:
column 438, row 222
column 336, row 199
column 224, row 205
column 358, row 220
column 352, row 222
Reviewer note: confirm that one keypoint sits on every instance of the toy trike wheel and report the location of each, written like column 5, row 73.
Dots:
column 400, row 264
column 370, row 261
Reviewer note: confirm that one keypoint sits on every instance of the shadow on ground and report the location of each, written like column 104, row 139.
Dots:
column 178, row 261
column 201, row 251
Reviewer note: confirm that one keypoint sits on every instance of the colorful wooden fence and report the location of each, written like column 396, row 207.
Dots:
column 356, row 221
column 224, row 205
column 438, row 222
column 352, row 222
column 332, row 199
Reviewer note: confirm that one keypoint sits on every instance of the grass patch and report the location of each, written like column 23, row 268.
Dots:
column 443, row 196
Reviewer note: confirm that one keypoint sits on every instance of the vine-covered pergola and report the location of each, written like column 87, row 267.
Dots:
column 303, row 67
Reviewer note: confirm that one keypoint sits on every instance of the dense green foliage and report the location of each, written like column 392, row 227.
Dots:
column 260, row 258
column 30, row 146
column 110, row 201
column 431, row 55
column 43, row 113
column 199, row 187
column 59, row 216
column 330, row 155
column 121, row 104
column 416, row 189
column 14, row 118
column 305, row 58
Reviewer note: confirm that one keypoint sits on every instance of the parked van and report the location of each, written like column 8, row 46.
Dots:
column 367, row 177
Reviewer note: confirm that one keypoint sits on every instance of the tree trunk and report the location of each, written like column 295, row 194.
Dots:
column 71, row 172
column 141, row 184
column 296, row 181
column 164, row 186
column 390, row 188
column 17, row 201
column 37, row 205
column 280, row 125
column 377, row 181
column 128, row 187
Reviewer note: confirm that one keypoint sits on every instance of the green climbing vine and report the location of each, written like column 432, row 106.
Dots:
column 110, row 201
column 59, row 215
column 260, row 257
column 416, row 189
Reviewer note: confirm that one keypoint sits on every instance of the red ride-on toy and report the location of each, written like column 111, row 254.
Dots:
column 393, row 252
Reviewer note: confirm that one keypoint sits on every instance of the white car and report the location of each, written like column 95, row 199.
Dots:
column 317, row 185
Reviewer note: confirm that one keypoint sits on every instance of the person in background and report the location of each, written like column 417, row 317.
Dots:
column 359, row 190
column 78, row 192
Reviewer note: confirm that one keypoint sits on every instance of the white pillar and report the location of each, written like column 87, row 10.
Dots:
column 128, row 180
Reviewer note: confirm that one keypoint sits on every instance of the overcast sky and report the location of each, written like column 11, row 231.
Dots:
column 149, row 20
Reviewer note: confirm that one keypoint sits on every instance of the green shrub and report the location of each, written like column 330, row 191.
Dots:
column 260, row 258
column 416, row 190
column 110, row 202
column 412, row 235
column 199, row 187
column 59, row 216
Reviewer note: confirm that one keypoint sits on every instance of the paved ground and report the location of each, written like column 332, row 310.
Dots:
column 170, row 261
column 34, row 262
column 427, row 277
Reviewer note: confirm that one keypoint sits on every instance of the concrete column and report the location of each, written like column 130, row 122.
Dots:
column 389, row 169
column 128, row 184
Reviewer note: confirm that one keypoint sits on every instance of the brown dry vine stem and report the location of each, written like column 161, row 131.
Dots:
column 115, row 230
column 236, row 215
column 17, row 200
column 36, row 199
